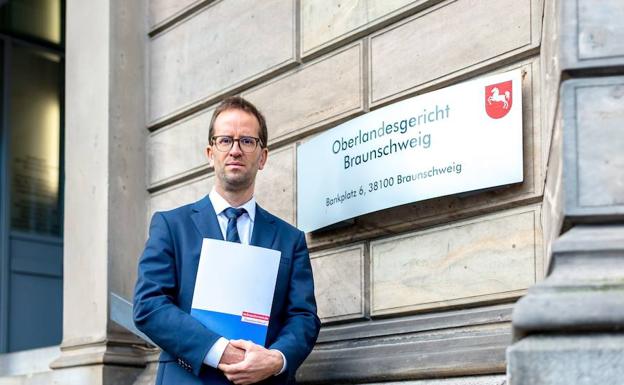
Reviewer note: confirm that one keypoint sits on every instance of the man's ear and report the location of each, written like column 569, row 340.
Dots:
column 264, row 154
column 209, row 155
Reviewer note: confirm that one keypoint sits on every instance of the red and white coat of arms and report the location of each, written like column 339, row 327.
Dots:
column 498, row 99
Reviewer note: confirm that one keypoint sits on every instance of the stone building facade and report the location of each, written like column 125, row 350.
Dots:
column 421, row 293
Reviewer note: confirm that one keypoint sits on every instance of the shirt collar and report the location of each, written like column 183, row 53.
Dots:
column 219, row 204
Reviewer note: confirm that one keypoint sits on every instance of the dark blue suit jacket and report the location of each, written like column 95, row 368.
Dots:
column 166, row 280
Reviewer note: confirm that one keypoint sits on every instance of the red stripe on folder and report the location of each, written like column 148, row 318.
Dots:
column 260, row 317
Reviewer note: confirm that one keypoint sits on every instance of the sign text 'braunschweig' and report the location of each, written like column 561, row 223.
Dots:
column 462, row 138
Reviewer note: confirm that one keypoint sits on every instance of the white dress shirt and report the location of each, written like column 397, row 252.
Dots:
column 245, row 222
column 244, row 225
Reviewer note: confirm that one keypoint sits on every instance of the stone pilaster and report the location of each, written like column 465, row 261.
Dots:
column 569, row 329
column 105, row 187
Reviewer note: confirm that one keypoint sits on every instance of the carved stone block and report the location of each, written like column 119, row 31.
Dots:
column 593, row 118
column 433, row 45
column 339, row 283
column 326, row 22
column 222, row 47
column 179, row 149
column 487, row 258
column 275, row 184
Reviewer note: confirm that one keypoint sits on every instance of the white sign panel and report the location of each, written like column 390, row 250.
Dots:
column 462, row 138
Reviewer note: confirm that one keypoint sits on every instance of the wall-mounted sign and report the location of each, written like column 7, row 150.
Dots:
column 462, row 138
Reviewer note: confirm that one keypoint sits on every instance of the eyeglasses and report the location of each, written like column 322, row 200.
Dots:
column 225, row 143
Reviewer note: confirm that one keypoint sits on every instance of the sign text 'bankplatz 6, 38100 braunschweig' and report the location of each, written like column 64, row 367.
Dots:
column 462, row 138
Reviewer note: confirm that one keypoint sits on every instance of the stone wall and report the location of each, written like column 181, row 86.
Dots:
column 419, row 291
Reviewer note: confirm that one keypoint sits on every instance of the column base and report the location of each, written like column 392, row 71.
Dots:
column 579, row 359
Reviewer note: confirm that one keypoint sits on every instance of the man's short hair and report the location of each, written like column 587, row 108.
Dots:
column 239, row 103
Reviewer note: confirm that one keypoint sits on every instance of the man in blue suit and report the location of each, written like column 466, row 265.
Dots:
column 192, row 353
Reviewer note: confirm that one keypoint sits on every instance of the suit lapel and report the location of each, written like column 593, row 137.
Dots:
column 263, row 229
column 205, row 219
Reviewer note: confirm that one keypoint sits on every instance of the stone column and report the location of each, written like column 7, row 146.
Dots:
column 105, row 191
column 569, row 329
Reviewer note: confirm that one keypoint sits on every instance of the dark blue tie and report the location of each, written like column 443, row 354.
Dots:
column 232, row 214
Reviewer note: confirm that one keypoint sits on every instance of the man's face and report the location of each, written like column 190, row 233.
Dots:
column 236, row 170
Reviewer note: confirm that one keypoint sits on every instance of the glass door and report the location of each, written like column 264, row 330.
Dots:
column 35, row 235
column 31, row 194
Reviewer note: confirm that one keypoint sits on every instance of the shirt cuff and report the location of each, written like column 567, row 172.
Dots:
column 284, row 366
column 213, row 357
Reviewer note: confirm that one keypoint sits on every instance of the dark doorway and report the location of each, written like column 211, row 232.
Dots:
column 31, row 179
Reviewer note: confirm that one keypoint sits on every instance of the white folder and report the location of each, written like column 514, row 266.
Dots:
column 234, row 289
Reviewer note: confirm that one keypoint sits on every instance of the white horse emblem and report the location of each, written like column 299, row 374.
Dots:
column 497, row 97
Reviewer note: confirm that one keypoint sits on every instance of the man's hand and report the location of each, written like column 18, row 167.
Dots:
column 259, row 363
column 232, row 355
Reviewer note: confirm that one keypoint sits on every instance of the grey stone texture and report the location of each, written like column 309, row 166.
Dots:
column 593, row 116
column 26, row 362
column 105, row 194
column 490, row 257
column 339, row 283
column 578, row 37
column 473, row 380
column 592, row 37
column 162, row 11
column 81, row 375
column 585, row 288
column 219, row 53
column 180, row 194
column 324, row 23
column 550, row 72
column 276, row 184
column 568, row 328
column 583, row 359
column 188, row 136
column 403, row 60
column 148, row 375
column 553, row 201
column 477, row 349
column 418, row 323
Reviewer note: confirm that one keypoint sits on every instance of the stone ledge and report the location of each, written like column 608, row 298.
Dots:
column 103, row 353
column 416, row 323
column 453, row 343
column 164, row 14
column 571, row 311
column 448, row 352
column 472, row 380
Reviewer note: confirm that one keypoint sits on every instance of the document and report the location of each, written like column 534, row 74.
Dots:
column 234, row 289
